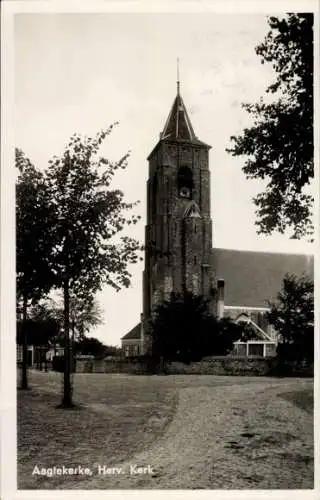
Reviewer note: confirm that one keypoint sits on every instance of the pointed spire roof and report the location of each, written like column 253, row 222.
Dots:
column 178, row 124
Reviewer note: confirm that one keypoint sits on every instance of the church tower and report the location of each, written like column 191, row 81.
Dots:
column 178, row 234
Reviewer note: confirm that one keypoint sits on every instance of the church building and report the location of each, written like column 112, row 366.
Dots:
column 178, row 239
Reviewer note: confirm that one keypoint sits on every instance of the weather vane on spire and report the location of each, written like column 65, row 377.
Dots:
column 178, row 77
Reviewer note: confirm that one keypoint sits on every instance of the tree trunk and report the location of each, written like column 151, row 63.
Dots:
column 67, row 392
column 161, row 364
column 24, row 372
column 36, row 355
column 73, row 334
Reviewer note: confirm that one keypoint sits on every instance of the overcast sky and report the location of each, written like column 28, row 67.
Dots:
column 81, row 72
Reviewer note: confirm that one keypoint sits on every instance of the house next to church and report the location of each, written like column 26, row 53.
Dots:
column 178, row 240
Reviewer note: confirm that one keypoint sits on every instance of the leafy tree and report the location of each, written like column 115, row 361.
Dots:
column 85, row 313
column 88, row 215
column 39, row 333
column 184, row 330
column 293, row 316
column 34, row 243
column 91, row 345
column 249, row 332
column 279, row 145
column 42, row 328
column 228, row 332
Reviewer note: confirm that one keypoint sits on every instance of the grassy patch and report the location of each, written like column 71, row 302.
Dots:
column 302, row 398
column 115, row 419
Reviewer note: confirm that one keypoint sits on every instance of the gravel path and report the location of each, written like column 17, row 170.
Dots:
column 237, row 437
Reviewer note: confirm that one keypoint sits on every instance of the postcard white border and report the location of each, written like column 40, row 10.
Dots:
column 7, row 291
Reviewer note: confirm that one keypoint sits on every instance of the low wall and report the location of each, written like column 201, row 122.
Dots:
column 103, row 366
column 224, row 366
column 211, row 366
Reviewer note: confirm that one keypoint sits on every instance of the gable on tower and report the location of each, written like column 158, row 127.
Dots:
column 192, row 210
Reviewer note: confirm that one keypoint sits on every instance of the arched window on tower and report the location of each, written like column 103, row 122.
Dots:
column 185, row 182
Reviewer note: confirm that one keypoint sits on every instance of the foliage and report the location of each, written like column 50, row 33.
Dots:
column 85, row 313
column 34, row 234
column 38, row 332
column 93, row 346
column 293, row 316
column 41, row 329
column 34, row 243
column 279, row 145
column 249, row 332
column 227, row 333
column 183, row 329
column 88, row 214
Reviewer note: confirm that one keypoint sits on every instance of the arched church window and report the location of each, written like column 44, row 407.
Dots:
column 185, row 182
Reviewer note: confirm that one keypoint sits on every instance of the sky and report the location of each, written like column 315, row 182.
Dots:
column 82, row 72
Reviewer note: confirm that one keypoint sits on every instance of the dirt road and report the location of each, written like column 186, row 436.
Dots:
column 236, row 437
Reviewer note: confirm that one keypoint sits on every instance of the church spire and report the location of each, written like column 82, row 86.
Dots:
column 178, row 78
column 178, row 124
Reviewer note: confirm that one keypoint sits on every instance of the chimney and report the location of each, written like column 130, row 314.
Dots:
column 220, row 299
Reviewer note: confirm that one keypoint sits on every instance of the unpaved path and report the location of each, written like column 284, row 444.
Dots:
column 237, row 437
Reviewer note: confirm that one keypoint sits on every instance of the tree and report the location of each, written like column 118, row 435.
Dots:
column 184, row 330
column 34, row 243
column 279, row 145
column 38, row 332
column 88, row 215
column 85, row 313
column 293, row 316
column 249, row 332
column 91, row 345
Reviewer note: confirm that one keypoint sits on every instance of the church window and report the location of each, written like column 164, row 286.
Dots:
column 185, row 182
column 195, row 259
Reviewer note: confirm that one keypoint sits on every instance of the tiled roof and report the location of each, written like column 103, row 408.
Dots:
column 253, row 278
column 134, row 333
